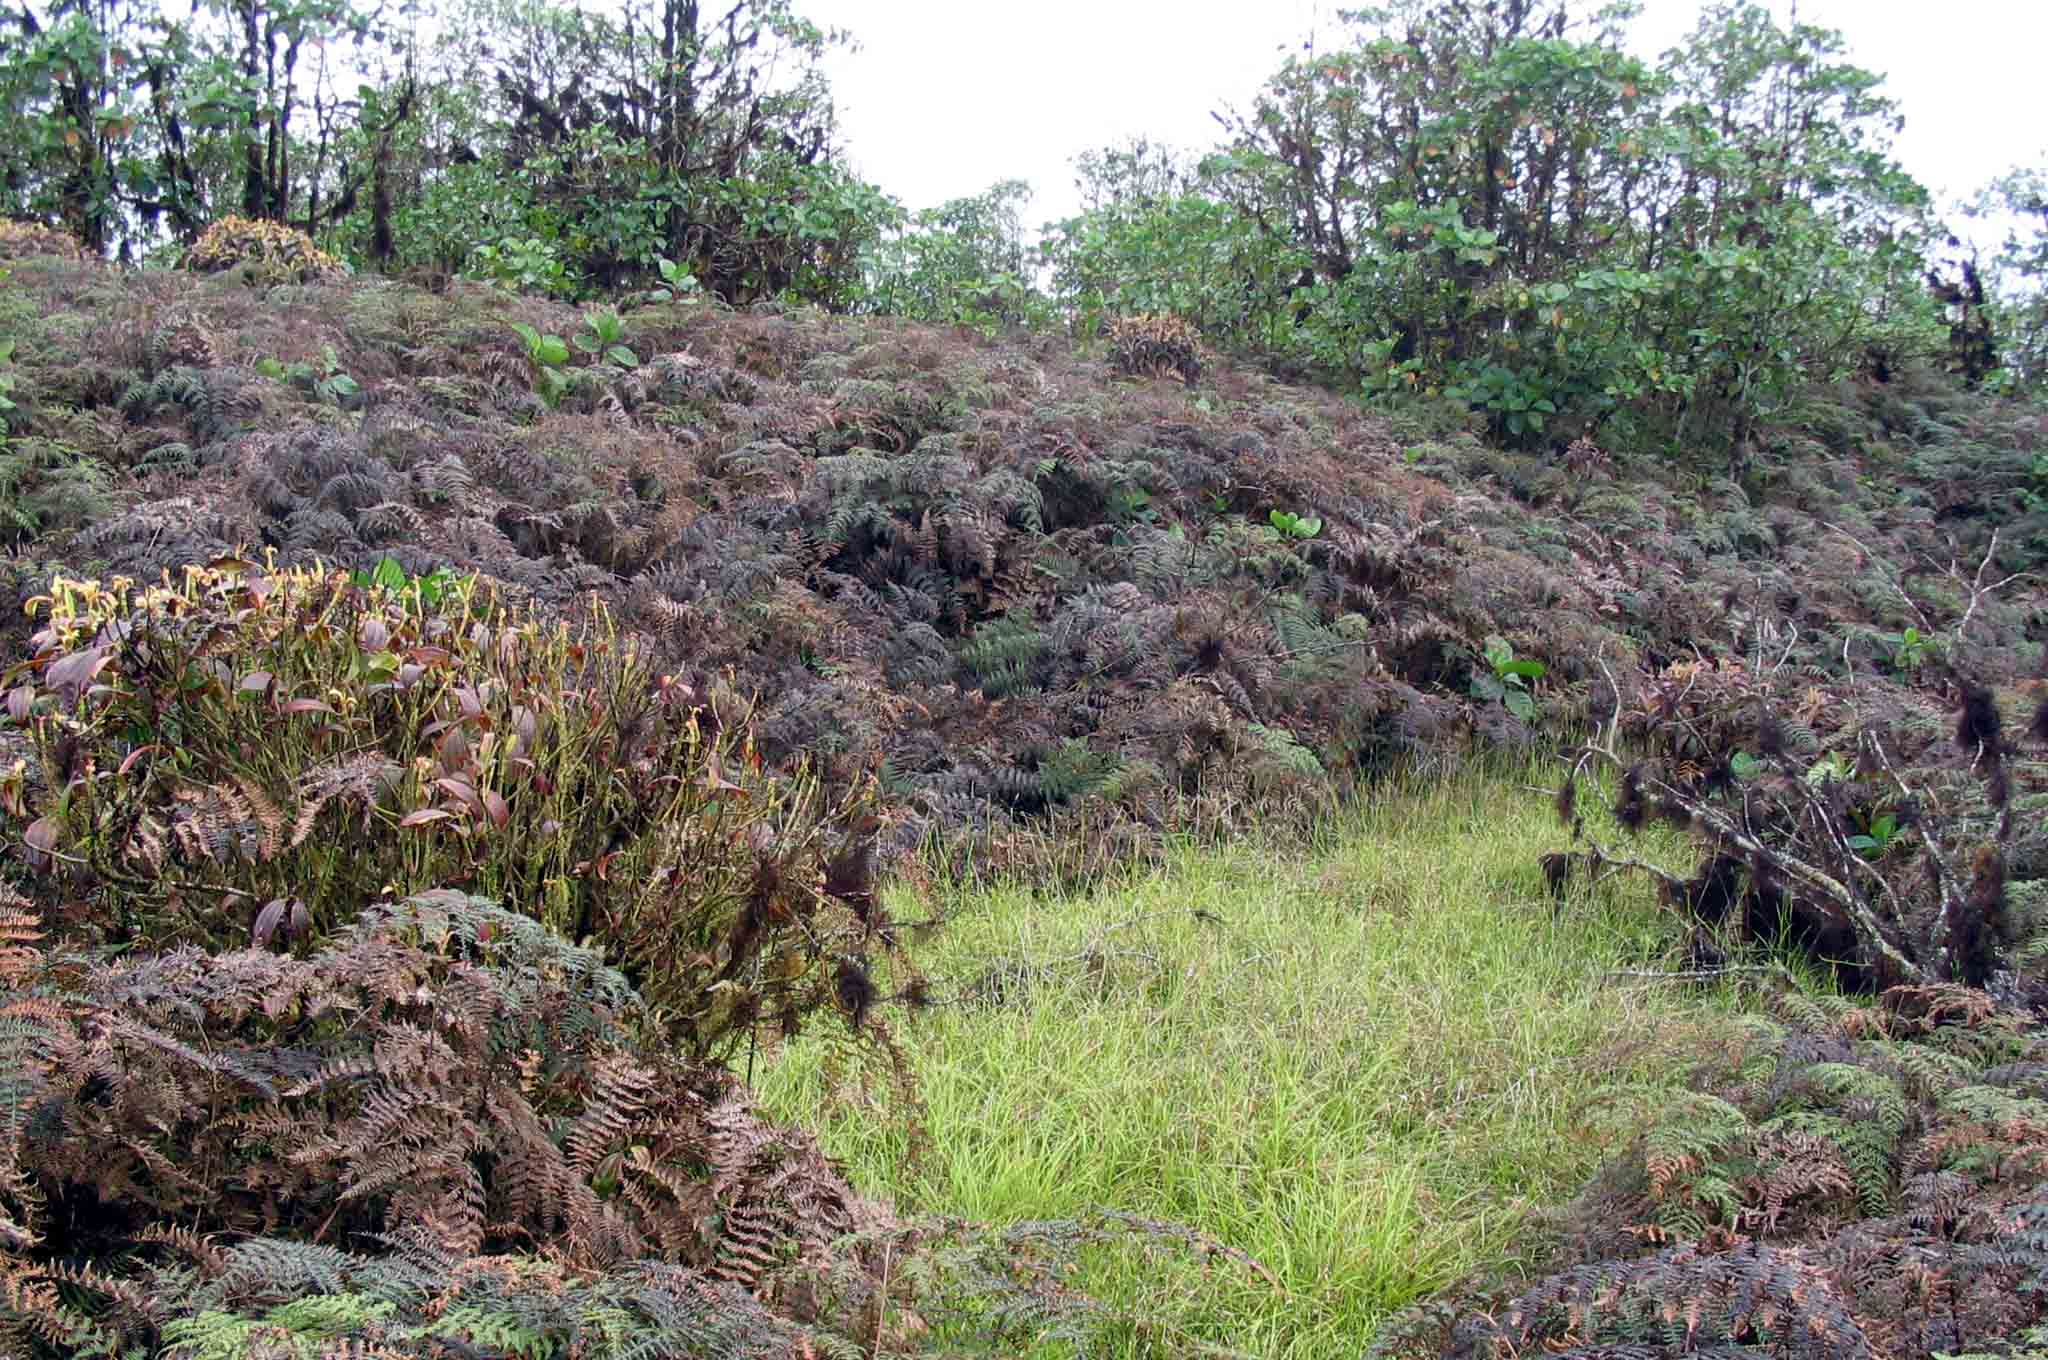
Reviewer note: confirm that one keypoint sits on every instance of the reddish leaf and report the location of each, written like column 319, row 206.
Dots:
column 267, row 921
column 422, row 816
column 76, row 670
column 41, row 835
column 499, row 810
column 138, row 753
column 21, row 700
column 256, row 680
column 308, row 706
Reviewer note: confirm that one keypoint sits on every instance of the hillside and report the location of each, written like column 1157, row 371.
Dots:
column 1016, row 582
column 888, row 597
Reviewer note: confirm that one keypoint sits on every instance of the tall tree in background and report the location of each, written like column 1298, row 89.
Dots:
column 1493, row 199
column 2019, row 276
column 704, row 135
column 119, row 121
column 545, row 147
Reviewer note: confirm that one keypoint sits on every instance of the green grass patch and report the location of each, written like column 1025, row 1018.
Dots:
column 1363, row 1064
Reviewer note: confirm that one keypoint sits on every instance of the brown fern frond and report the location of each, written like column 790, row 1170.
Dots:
column 361, row 780
column 21, row 937
column 1796, row 1165
column 269, row 819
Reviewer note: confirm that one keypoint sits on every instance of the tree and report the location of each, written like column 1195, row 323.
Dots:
column 2019, row 275
column 705, row 136
column 119, row 121
column 964, row 262
column 1492, row 199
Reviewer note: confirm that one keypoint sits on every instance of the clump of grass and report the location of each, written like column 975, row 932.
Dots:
column 1362, row 1064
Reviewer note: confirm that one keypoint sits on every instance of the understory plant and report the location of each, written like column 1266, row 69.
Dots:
column 252, row 756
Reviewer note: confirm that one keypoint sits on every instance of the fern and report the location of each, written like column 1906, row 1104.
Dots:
column 1683, row 1299
column 1288, row 751
column 204, row 401
column 1689, row 1157
column 1005, row 656
column 1071, row 771
column 1867, row 1120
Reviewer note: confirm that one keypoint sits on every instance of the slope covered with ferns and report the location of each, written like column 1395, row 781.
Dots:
column 1014, row 580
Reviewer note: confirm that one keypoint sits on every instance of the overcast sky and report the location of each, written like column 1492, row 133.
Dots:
column 945, row 97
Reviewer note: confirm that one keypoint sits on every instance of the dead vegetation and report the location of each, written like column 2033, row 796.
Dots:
column 1039, row 608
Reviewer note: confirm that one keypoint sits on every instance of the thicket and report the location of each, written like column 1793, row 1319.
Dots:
column 455, row 723
column 253, row 756
column 1502, row 205
column 276, row 1078
column 1846, row 1179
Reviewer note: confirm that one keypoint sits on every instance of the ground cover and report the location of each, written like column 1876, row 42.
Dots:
column 1365, row 1063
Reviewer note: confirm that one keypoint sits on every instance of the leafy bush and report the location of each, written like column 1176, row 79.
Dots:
column 962, row 263
column 263, row 253
column 22, row 240
column 255, row 756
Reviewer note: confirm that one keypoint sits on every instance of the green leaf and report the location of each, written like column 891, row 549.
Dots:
column 388, row 574
column 1520, row 704
column 623, row 357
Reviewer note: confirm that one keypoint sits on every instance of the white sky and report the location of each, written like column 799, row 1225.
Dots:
column 946, row 97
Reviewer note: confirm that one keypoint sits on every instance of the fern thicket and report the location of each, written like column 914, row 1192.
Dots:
column 450, row 1131
column 1855, row 1179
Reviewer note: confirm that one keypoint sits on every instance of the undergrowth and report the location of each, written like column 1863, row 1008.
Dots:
column 1363, row 1064
column 651, row 666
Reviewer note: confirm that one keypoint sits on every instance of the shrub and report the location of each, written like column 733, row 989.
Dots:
column 252, row 756
column 265, row 253
column 1154, row 346
column 21, row 240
